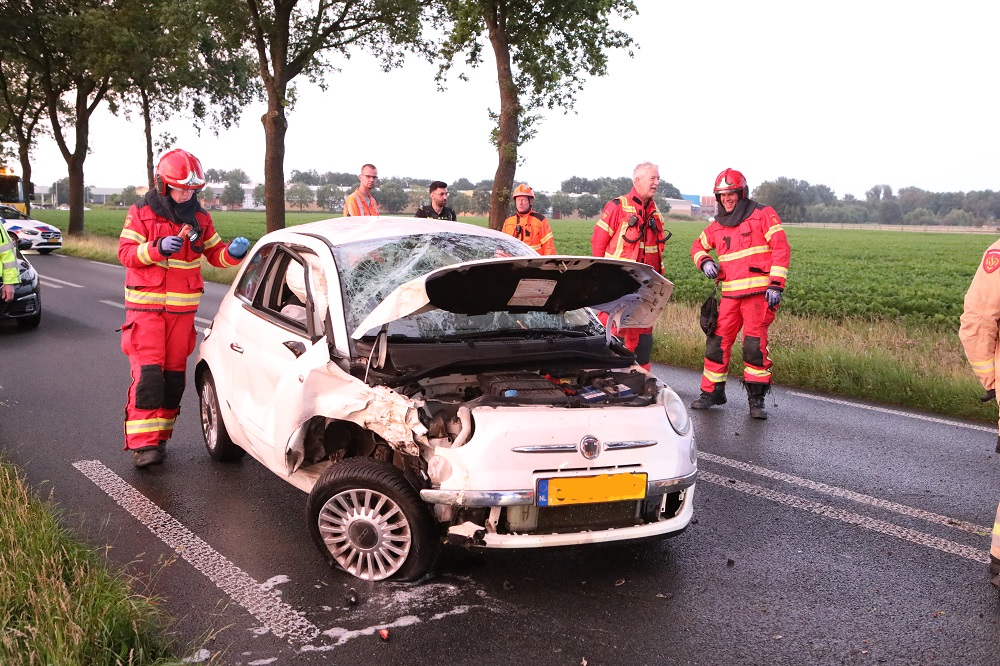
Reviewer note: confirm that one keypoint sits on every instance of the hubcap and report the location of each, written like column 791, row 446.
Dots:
column 366, row 533
column 209, row 417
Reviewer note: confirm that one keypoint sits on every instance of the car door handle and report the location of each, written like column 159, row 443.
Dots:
column 236, row 348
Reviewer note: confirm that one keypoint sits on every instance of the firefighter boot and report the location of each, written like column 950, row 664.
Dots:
column 716, row 397
column 149, row 455
column 756, row 393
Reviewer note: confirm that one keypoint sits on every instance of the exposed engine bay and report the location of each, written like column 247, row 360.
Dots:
column 444, row 397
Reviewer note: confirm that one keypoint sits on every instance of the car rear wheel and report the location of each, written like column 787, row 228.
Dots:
column 46, row 250
column 367, row 519
column 220, row 446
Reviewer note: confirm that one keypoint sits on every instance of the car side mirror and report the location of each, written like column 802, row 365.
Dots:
column 23, row 244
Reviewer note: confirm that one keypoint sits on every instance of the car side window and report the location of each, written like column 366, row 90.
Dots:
column 254, row 274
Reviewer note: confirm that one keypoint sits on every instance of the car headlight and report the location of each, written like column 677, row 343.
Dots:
column 28, row 232
column 676, row 413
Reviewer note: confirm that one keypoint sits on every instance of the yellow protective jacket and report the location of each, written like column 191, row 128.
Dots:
column 980, row 327
column 355, row 205
column 532, row 229
column 8, row 259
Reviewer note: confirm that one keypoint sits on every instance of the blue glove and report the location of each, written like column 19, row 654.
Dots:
column 238, row 247
column 170, row 244
column 773, row 296
column 710, row 269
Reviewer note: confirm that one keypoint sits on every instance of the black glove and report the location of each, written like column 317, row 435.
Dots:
column 988, row 396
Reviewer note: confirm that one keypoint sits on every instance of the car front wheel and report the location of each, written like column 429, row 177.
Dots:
column 220, row 446
column 369, row 521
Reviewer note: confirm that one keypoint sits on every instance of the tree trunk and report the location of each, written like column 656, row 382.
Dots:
column 275, row 127
column 148, row 128
column 22, row 154
column 75, row 163
column 507, row 130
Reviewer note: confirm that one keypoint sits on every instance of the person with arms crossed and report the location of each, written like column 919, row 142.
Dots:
column 528, row 226
column 980, row 335
column 361, row 201
column 631, row 227
column 752, row 267
column 164, row 238
column 438, row 210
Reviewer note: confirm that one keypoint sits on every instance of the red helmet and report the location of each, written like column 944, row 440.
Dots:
column 732, row 180
column 180, row 170
column 523, row 190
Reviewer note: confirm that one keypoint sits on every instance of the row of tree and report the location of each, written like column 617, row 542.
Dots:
column 798, row 201
column 61, row 60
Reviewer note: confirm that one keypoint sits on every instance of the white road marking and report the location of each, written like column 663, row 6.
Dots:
column 264, row 604
column 48, row 280
column 936, row 518
column 895, row 412
column 881, row 526
column 49, row 285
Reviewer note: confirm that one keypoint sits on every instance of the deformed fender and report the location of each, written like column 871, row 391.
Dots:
column 326, row 390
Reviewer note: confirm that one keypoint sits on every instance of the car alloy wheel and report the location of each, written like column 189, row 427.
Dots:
column 220, row 446
column 368, row 520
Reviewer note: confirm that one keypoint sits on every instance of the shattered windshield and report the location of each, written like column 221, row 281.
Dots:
column 371, row 270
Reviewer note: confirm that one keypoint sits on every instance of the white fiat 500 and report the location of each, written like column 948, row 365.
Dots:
column 428, row 381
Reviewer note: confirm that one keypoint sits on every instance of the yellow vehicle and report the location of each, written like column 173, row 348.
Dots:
column 11, row 189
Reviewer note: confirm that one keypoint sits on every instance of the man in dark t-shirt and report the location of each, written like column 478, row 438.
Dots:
column 437, row 210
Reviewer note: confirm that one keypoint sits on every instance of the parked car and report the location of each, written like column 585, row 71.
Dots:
column 427, row 381
column 44, row 237
column 26, row 306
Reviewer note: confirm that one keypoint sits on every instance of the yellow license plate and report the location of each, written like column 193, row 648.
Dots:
column 591, row 489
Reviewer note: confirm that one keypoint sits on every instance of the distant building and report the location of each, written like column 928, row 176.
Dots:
column 709, row 206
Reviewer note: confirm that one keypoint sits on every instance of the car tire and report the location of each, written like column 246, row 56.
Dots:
column 46, row 250
column 367, row 520
column 217, row 440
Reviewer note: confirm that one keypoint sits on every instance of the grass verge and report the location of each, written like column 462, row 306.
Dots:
column 60, row 603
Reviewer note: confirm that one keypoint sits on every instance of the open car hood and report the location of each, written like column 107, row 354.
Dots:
column 635, row 293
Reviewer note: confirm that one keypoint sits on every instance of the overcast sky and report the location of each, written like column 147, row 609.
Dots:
column 847, row 94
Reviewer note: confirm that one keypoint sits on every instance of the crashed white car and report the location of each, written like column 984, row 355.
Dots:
column 427, row 381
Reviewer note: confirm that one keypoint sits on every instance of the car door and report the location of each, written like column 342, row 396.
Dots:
column 275, row 334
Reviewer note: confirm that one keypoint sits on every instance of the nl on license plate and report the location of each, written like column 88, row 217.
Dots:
column 591, row 489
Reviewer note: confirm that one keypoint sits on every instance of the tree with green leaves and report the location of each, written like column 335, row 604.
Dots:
column 300, row 196
column 61, row 42
column 543, row 50
column 588, row 205
column 562, row 204
column 391, row 197
column 232, row 194
column 258, row 195
column 171, row 58
column 293, row 37
column 22, row 107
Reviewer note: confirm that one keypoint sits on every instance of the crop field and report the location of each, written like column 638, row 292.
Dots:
column 909, row 278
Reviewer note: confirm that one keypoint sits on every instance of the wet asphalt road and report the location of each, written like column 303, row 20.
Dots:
column 833, row 533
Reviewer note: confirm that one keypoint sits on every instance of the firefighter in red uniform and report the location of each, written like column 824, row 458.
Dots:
column 161, row 246
column 631, row 227
column 528, row 226
column 753, row 265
